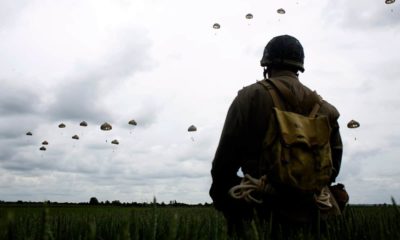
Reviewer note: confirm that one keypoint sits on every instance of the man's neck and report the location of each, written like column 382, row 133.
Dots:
column 278, row 73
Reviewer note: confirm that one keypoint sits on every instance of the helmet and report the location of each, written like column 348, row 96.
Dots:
column 283, row 50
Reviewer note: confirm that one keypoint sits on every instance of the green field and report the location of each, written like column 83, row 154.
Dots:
column 50, row 221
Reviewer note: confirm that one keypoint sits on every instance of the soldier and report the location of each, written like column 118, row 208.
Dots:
column 245, row 128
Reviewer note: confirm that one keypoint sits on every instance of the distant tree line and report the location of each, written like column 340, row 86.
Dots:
column 173, row 203
column 93, row 201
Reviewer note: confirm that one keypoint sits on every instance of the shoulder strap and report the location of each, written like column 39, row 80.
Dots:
column 269, row 84
column 317, row 105
column 272, row 92
column 286, row 93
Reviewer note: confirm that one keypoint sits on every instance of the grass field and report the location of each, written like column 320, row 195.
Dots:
column 49, row 221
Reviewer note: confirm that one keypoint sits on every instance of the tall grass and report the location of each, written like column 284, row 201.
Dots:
column 156, row 222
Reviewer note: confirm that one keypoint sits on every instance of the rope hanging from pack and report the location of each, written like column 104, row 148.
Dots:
column 247, row 186
column 325, row 201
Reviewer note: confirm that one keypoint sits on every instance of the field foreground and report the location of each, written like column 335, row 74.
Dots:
column 195, row 222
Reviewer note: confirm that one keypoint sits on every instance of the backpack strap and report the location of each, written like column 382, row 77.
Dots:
column 315, row 110
column 289, row 97
column 286, row 93
column 271, row 84
column 274, row 95
column 317, row 105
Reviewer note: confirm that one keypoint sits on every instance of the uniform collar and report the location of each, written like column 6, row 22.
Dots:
column 286, row 74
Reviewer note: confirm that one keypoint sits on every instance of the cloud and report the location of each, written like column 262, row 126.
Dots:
column 85, row 94
column 165, row 67
column 369, row 14
column 13, row 128
column 17, row 100
column 9, row 10
column 77, row 100
column 353, row 164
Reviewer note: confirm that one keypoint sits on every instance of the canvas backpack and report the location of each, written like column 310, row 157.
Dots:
column 296, row 149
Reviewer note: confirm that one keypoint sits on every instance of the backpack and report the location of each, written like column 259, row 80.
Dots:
column 296, row 154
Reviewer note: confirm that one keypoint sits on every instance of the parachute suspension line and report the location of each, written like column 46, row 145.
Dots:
column 247, row 186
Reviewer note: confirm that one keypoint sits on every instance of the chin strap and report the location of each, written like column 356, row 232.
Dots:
column 265, row 73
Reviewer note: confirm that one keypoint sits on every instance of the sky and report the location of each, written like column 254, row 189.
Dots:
column 162, row 64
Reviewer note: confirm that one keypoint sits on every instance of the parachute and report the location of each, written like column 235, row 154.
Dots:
column 353, row 124
column 29, row 133
column 42, row 148
column 249, row 16
column 132, row 122
column 115, row 142
column 192, row 128
column 216, row 26
column 83, row 124
column 45, row 143
column 390, row 2
column 281, row 11
column 106, row 127
column 61, row 125
column 76, row 137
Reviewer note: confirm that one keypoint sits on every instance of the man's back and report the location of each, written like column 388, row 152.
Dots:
column 241, row 142
column 247, row 123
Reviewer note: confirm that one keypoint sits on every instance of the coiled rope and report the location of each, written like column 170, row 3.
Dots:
column 250, row 185
column 247, row 186
column 324, row 200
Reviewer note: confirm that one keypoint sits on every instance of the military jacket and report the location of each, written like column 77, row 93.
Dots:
column 245, row 127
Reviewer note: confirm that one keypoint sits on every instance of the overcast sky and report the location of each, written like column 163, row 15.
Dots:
column 162, row 64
